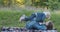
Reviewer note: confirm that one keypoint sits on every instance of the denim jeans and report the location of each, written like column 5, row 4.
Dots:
column 35, row 25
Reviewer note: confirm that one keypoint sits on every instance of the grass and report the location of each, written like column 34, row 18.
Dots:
column 56, row 19
column 11, row 18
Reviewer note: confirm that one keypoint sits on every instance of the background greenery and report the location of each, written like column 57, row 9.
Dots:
column 50, row 4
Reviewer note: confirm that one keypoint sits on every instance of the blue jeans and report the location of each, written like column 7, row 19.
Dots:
column 35, row 25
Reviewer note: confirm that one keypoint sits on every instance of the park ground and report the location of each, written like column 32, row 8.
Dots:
column 10, row 17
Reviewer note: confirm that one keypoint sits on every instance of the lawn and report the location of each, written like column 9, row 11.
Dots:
column 11, row 18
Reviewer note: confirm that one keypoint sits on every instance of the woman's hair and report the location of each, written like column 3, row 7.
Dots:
column 49, row 25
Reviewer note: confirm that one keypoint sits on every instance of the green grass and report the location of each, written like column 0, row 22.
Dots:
column 11, row 18
column 56, row 19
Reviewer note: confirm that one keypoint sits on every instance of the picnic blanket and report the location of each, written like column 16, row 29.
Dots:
column 17, row 29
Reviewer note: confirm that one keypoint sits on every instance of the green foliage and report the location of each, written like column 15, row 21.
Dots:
column 5, row 2
column 1, row 2
column 40, row 3
column 53, row 4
